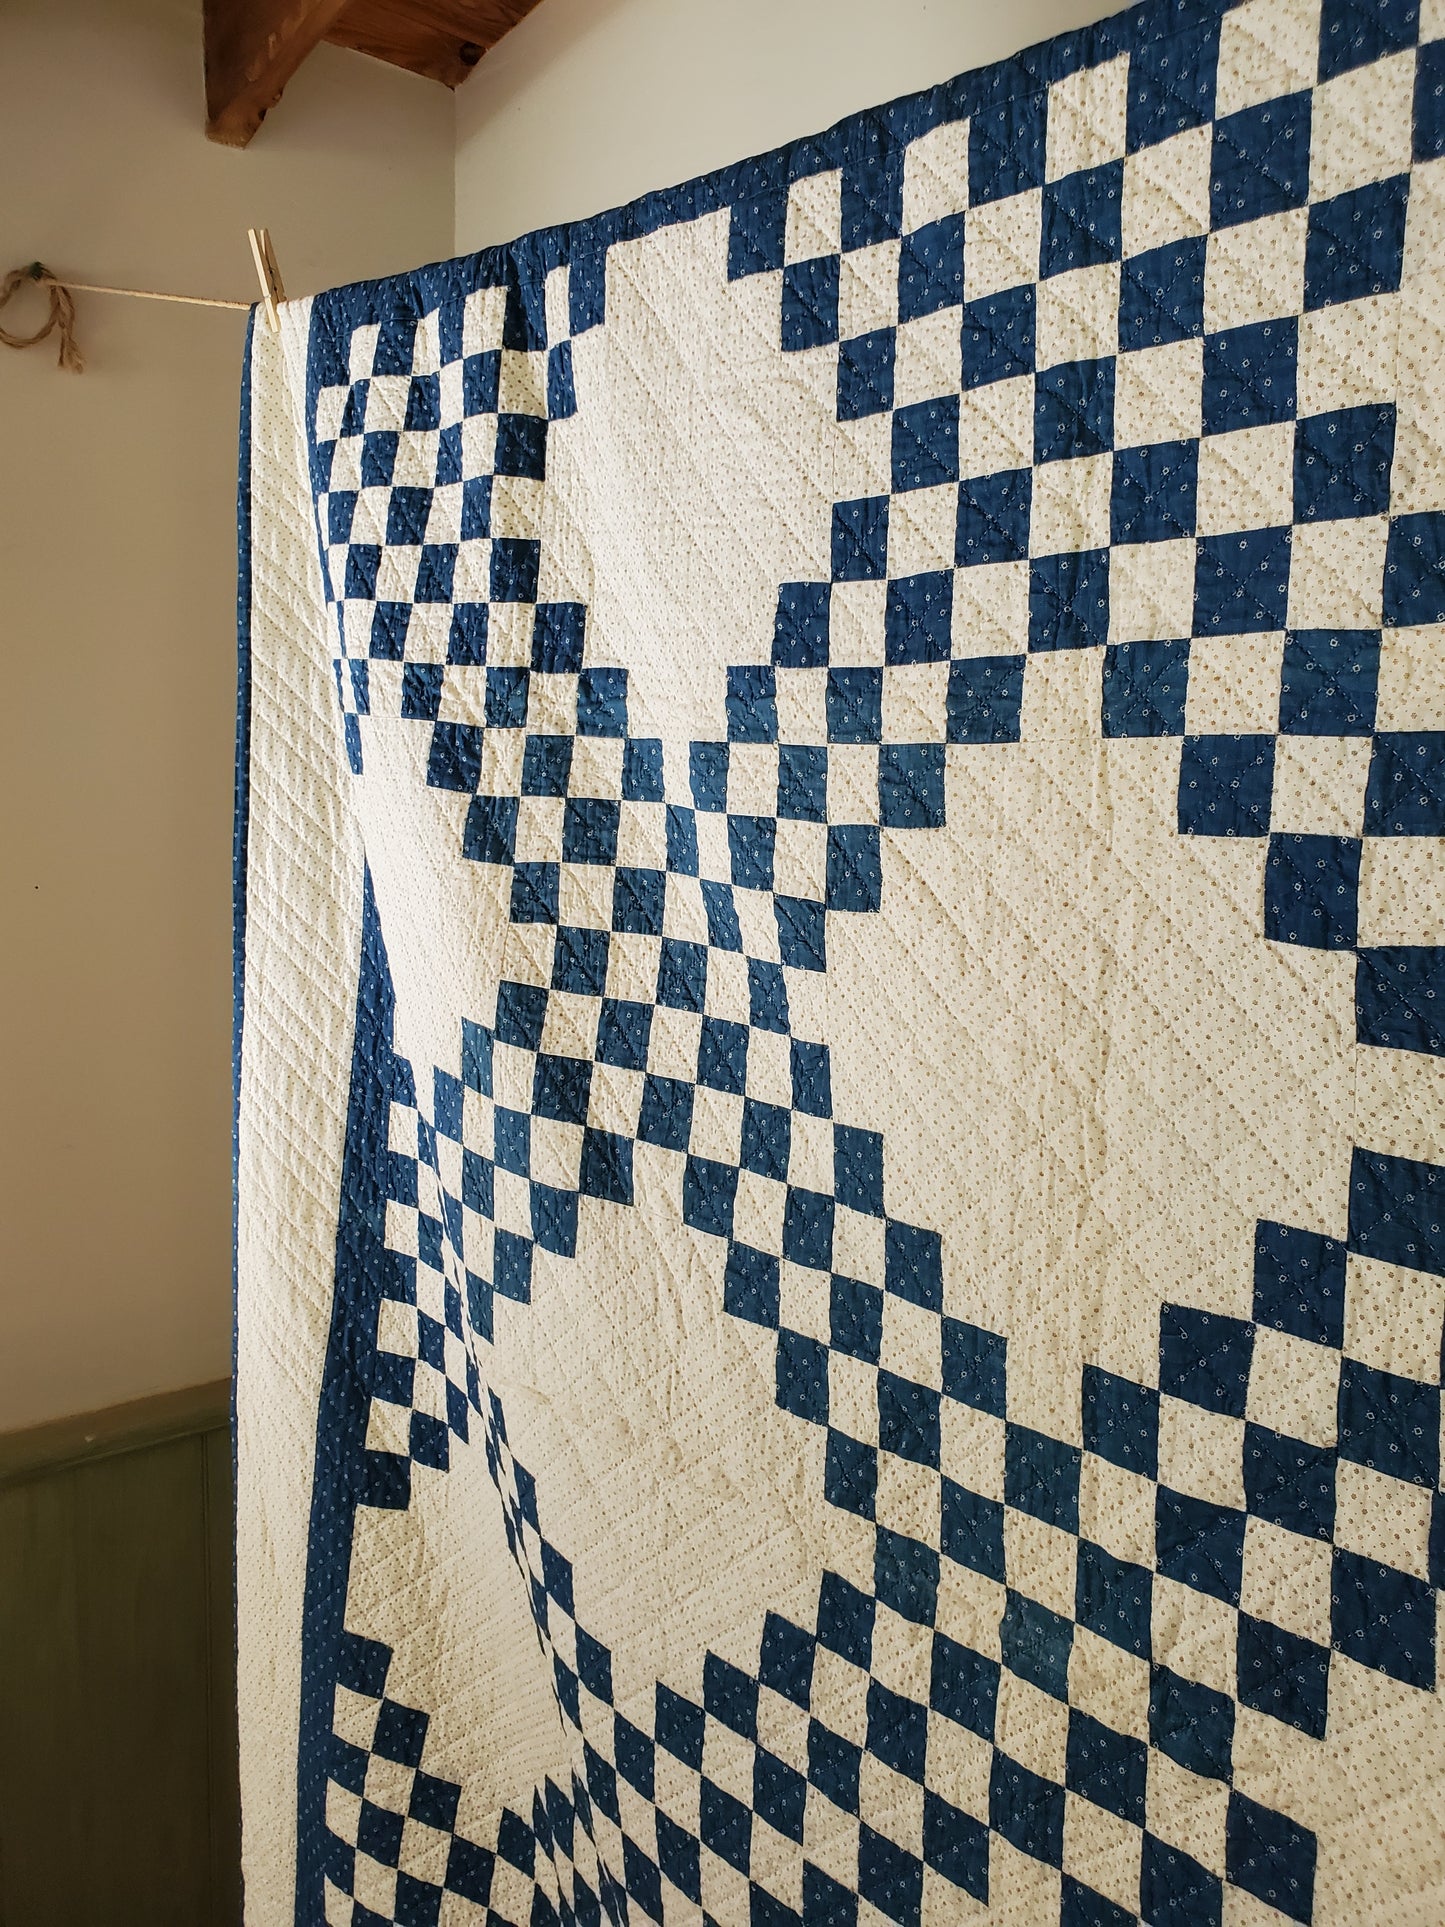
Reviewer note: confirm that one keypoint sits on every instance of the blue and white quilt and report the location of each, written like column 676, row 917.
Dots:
column 841, row 1142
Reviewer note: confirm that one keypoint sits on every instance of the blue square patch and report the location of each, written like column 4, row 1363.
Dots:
column 925, row 444
column 1226, row 784
column 1261, row 161
column 1082, row 219
column 1145, row 685
column 860, row 540
column 985, row 698
column 1069, row 600
column 993, row 518
column 1342, row 463
column 1250, row 375
column 999, row 336
column 1241, row 582
column 865, row 375
column 1415, row 570
column 1356, row 243
column 1074, row 410
column 1311, row 891
column 1161, row 295
column 1154, row 492
column 930, row 268
column 1329, row 682
column 918, row 618
column 810, row 303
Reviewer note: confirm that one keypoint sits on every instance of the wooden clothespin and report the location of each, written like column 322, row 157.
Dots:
column 268, row 274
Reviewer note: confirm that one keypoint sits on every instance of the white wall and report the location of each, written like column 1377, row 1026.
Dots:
column 590, row 102
column 117, row 655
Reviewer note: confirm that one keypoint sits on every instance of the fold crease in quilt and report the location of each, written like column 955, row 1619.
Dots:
column 840, row 1010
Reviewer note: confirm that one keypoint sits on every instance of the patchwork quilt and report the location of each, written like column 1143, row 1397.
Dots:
column 841, row 990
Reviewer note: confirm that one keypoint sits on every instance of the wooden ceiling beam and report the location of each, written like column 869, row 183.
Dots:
column 443, row 39
column 253, row 47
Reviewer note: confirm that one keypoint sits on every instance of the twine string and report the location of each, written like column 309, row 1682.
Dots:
column 60, row 320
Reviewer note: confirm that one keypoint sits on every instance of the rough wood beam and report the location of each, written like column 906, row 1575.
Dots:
column 442, row 39
column 252, row 48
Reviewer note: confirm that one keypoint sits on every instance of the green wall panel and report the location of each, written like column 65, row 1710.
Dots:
column 118, row 1800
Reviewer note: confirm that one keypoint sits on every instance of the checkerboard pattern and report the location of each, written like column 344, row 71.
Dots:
column 395, row 1851
column 425, row 1385
column 1046, row 286
column 1109, row 326
column 1263, row 1512
column 1139, row 338
column 427, row 466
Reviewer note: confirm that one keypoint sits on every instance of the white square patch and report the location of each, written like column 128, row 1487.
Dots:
column 1078, row 314
column 1166, row 191
column 1337, row 574
column 1246, row 479
column 1158, row 394
column 1319, row 785
column 1360, row 125
column 935, row 175
column 1151, row 591
column 1233, row 685
column 991, row 609
column 1001, row 244
column 1087, row 113
column 815, row 217
column 996, row 427
column 1266, row 48
column 1255, row 272
column 1071, row 503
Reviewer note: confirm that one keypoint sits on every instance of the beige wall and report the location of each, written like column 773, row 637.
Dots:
column 117, row 622
column 590, row 102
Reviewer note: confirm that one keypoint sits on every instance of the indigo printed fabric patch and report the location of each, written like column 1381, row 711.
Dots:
column 841, row 1138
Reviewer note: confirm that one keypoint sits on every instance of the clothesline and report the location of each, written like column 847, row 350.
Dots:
column 140, row 294
column 61, row 319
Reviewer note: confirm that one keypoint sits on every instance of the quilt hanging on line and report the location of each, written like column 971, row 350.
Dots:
column 842, row 958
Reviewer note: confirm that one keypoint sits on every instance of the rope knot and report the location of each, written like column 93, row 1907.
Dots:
column 61, row 319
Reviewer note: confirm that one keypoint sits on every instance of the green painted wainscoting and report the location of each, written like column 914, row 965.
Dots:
column 118, row 1796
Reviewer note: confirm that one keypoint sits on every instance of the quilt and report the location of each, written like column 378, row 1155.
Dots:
column 841, row 991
